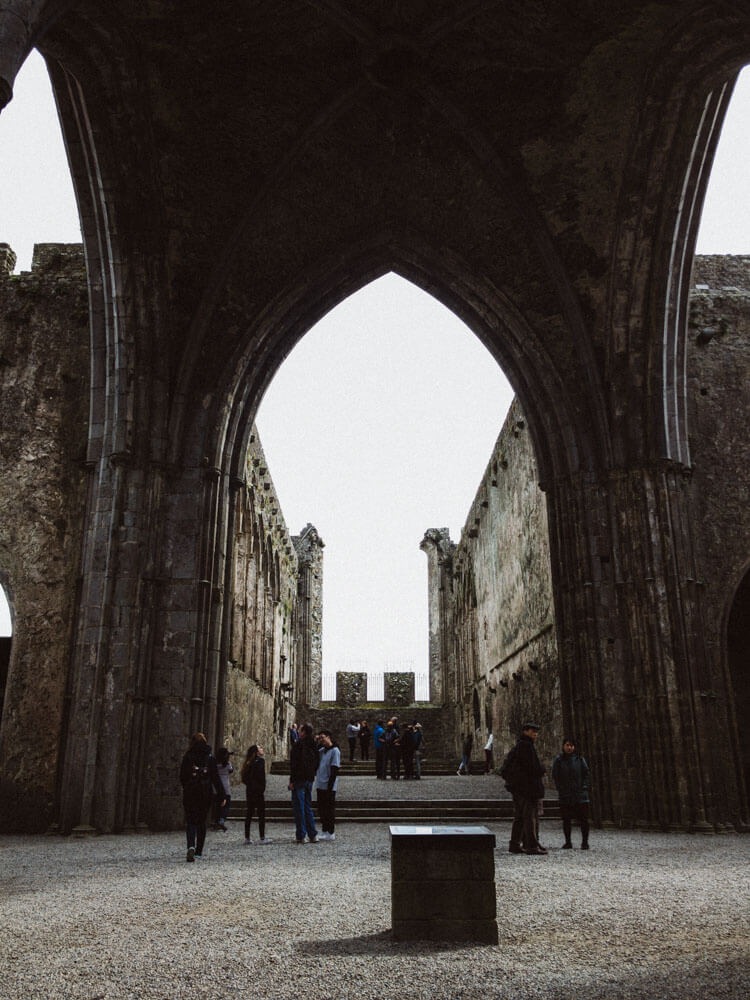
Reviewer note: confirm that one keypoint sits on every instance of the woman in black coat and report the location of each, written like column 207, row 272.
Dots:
column 253, row 775
column 200, row 785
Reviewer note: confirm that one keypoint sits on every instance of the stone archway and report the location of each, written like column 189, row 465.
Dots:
column 527, row 168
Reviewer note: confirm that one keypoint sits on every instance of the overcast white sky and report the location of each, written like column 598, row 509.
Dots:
column 380, row 423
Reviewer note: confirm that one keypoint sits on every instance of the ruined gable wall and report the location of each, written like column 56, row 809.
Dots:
column 499, row 603
column 506, row 653
column 259, row 705
column 44, row 393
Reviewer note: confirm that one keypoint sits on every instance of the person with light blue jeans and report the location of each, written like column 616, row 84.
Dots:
column 303, row 765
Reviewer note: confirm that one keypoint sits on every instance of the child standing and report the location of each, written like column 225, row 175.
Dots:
column 224, row 769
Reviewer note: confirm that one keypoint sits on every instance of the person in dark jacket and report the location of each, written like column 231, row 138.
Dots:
column 392, row 740
column 200, row 784
column 253, row 776
column 523, row 773
column 303, row 765
column 570, row 773
column 467, row 745
column 364, row 740
column 407, row 751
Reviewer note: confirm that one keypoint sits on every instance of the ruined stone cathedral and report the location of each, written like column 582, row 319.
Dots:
column 540, row 169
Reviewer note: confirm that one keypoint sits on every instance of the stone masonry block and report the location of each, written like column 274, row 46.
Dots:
column 448, row 863
column 484, row 931
column 450, row 900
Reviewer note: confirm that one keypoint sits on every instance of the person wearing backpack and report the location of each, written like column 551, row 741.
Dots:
column 523, row 771
column 200, row 784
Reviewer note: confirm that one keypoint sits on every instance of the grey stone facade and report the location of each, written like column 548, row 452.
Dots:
column 273, row 641
column 542, row 174
column 492, row 618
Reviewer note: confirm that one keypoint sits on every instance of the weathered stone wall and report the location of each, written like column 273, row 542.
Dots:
column 491, row 613
column 502, row 667
column 44, row 400
column 719, row 394
column 399, row 688
column 44, row 379
column 263, row 668
column 436, row 721
column 351, row 688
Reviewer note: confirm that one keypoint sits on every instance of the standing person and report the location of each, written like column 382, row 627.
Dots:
column 378, row 736
column 523, row 772
column 293, row 735
column 466, row 746
column 364, row 740
column 352, row 732
column 488, row 754
column 326, row 783
column 407, row 752
column 200, row 783
column 253, row 776
column 570, row 773
column 224, row 769
column 392, row 749
column 303, row 765
column 418, row 750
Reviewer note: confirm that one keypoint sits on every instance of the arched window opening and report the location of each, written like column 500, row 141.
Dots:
column 378, row 426
column 738, row 651
column 37, row 203
column 725, row 220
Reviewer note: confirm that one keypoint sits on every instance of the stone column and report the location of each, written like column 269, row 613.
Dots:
column 309, row 547
column 438, row 548
column 649, row 711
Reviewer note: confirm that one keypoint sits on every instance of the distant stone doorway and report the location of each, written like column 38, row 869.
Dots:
column 6, row 642
column 738, row 653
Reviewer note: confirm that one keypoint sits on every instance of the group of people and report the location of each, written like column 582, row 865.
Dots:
column 358, row 732
column 315, row 762
column 205, row 781
column 523, row 772
column 396, row 746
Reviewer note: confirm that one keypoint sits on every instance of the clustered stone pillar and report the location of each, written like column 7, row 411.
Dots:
column 638, row 691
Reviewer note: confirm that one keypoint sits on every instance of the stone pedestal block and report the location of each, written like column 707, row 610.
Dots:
column 443, row 883
column 399, row 688
column 351, row 688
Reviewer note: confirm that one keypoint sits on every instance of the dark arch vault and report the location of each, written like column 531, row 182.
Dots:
column 540, row 171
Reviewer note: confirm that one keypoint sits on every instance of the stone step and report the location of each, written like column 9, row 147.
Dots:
column 411, row 811
column 432, row 768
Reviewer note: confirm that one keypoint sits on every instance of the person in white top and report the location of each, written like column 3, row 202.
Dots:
column 488, row 754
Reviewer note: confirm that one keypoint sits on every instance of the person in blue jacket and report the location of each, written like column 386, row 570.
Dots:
column 378, row 734
column 570, row 773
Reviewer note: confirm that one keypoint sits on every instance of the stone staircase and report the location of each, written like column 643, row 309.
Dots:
column 426, row 812
column 431, row 767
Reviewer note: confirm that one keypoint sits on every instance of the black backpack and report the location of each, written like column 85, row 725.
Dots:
column 200, row 776
column 508, row 768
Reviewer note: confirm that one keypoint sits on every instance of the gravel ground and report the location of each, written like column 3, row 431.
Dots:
column 116, row 917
